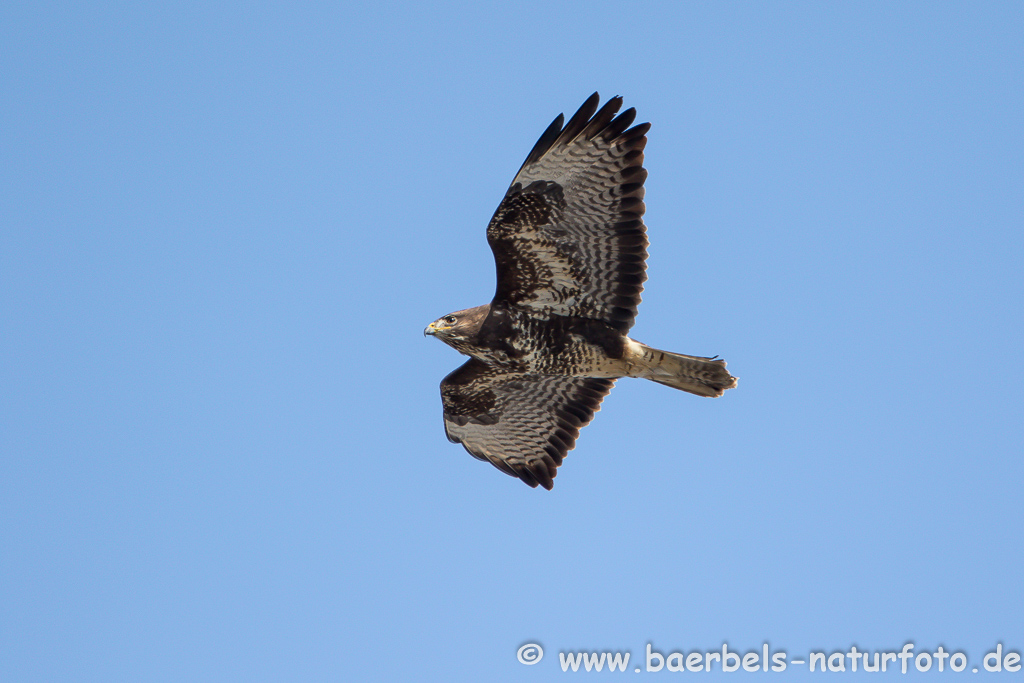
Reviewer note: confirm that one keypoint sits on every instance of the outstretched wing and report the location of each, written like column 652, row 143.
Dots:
column 569, row 237
column 523, row 424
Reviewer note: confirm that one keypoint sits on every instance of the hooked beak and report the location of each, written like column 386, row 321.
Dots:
column 430, row 330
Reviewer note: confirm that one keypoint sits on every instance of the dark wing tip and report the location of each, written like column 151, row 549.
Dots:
column 614, row 128
column 544, row 471
column 636, row 132
column 580, row 120
column 545, row 141
column 587, row 120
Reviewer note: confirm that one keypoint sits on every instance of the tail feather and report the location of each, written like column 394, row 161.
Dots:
column 695, row 374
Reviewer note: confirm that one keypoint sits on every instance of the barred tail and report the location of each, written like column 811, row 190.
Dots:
column 697, row 375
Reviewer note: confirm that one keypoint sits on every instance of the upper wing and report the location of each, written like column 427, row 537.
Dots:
column 569, row 237
column 523, row 424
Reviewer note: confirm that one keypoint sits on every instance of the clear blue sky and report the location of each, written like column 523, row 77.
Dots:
column 223, row 227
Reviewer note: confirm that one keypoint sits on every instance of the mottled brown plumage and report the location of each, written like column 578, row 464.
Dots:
column 569, row 245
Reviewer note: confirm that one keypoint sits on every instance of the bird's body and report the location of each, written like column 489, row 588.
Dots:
column 558, row 345
column 569, row 245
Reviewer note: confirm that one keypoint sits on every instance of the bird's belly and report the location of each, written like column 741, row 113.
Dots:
column 574, row 357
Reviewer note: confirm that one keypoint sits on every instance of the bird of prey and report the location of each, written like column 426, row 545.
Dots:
column 570, row 245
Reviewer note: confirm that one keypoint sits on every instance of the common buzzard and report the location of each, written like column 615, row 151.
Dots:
column 569, row 243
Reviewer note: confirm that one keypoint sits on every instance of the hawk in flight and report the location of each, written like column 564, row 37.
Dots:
column 569, row 244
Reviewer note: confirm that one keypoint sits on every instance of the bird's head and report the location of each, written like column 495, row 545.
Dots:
column 460, row 328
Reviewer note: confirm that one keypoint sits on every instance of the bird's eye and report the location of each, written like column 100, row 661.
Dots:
column 449, row 319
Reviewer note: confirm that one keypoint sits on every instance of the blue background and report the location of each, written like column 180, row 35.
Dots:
column 225, row 225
